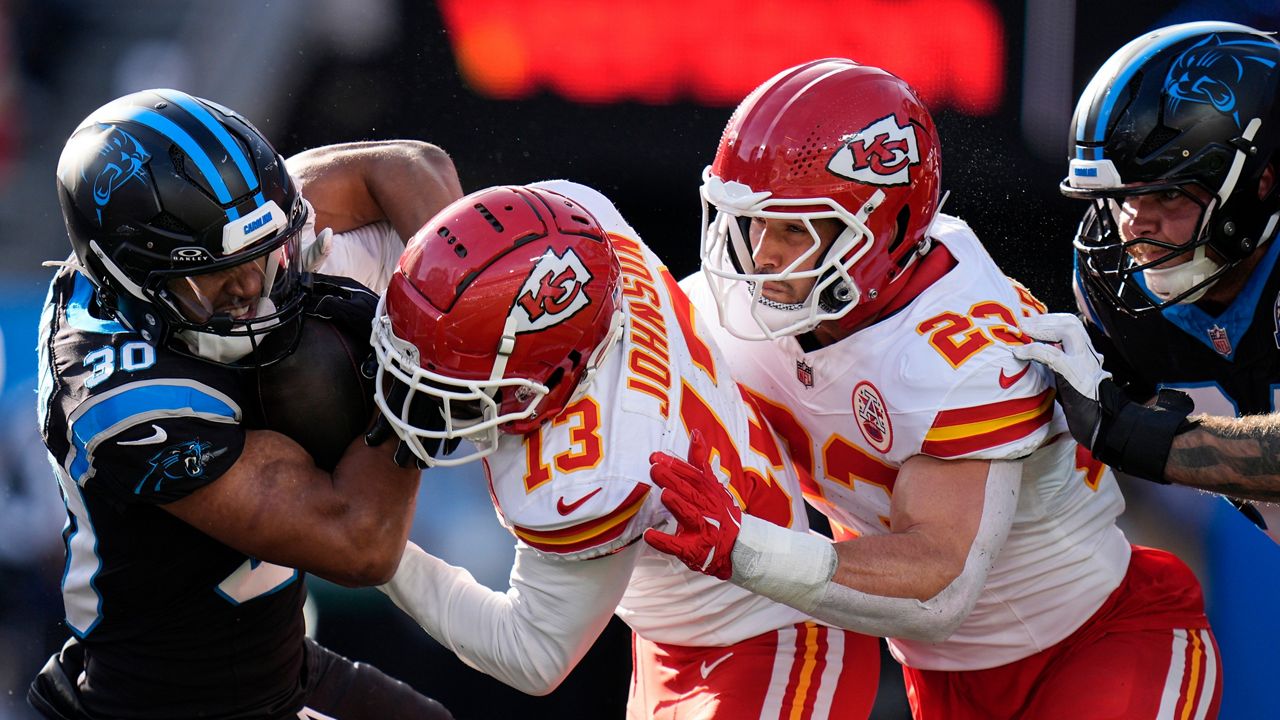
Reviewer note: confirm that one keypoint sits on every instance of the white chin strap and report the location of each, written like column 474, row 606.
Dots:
column 227, row 348
column 1168, row 283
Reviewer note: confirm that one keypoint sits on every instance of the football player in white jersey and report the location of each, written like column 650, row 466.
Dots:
column 562, row 349
column 875, row 334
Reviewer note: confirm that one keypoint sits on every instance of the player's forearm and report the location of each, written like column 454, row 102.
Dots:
column 354, row 184
column 530, row 637
column 806, row 572
column 899, row 585
column 371, row 509
column 412, row 184
column 1239, row 457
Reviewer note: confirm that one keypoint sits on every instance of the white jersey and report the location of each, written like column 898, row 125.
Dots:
column 367, row 254
column 937, row 379
column 579, row 487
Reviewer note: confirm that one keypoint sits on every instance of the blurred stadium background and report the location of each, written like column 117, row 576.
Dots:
column 629, row 97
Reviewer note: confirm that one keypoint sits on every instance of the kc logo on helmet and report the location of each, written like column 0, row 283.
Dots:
column 879, row 154
column 553, row 292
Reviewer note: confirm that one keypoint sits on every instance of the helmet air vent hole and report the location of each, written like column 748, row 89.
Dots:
column 1157, row 139
column 179, row 160
column 558, row 374
column 169, row 222
column 489, row 217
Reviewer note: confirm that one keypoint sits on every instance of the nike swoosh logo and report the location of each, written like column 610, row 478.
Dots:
column 565, row 508
column 706, row 669
column 154, row 439
column 1007, row 381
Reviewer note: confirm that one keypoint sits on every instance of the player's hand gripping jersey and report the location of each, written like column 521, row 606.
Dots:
column 577, row 496
column 937, row 379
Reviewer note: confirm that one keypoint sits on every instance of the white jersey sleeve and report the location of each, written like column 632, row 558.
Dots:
column 367, row 254
column 529, row 637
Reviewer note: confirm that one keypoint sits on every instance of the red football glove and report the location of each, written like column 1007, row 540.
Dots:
column 707, row 518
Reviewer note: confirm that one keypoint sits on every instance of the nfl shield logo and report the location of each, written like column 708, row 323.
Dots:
column 1221, row 342
column 804, row 373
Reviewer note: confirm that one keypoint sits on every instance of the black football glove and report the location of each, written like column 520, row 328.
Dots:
column 425, row 412
column 1130, row 437
column 343, row 302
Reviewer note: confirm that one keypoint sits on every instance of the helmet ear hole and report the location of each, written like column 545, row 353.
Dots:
column 899, row 235
column 557, row 375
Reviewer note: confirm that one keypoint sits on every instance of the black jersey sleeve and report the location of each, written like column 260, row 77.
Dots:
column 132, row 422
column 155, row 434
column 172, row 441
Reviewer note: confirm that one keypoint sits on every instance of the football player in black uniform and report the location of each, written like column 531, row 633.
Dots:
column 188, row 535
column 1176, row 146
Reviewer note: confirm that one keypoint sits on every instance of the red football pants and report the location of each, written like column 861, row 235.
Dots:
column 1147, row 653
column 803, row 672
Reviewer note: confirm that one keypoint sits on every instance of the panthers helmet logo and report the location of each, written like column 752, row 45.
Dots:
column 1209, row 73
column 119, row 160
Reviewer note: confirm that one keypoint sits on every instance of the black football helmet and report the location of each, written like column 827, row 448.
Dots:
column 1196, row 104
column 160, row 190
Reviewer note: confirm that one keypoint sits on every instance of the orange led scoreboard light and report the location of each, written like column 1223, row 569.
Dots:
column 714, row 52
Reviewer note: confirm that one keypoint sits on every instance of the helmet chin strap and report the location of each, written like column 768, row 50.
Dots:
column 227, row 348
column 506, row 346
column 1168, row 283
column 599, row 355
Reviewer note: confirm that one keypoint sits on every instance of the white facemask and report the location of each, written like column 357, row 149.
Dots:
column 1170, row 282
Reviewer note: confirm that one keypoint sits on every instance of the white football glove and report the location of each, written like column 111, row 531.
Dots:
column 1076, row 361
column 1129, row 436
column 314, row 248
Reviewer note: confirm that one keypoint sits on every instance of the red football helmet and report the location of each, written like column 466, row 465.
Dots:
column 501, row 309
column 826, row 139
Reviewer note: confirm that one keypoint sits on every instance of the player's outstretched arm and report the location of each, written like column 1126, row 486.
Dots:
column 529, row 637
column 275, row 505
column 1239, row 457
column 1131, row 437
column 354, row 184
column 949, row 520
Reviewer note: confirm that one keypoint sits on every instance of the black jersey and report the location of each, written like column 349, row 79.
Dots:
column 174, row 623
column 1228, row 363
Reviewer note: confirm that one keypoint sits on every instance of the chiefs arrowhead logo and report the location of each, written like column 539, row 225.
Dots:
column 880, row 154
column 872, row 414
column 553, row 292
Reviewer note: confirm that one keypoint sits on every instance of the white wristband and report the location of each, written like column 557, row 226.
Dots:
column 784, row 565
